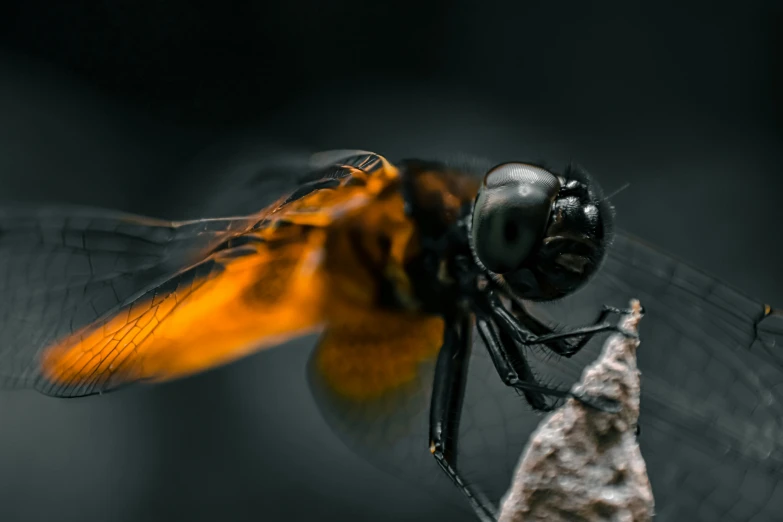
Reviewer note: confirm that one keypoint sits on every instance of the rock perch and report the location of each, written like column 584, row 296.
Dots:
column 582, row 464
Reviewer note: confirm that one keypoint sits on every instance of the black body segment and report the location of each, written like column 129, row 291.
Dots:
column 451, row 372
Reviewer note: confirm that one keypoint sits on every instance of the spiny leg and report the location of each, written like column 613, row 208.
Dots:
column 516, row 373
column 512, row 367
column 526, row 330
column 448, row 391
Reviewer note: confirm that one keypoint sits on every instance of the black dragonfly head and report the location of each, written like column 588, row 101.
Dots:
column 539, row 234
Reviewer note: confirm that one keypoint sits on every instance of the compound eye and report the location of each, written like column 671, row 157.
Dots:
column 511, row 214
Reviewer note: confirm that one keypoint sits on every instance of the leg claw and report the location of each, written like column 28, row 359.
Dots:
column 601, row 404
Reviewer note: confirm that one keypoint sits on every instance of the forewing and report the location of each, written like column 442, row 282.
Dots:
column 237, row 301
column 95, row 300
column 243, row 185
column 62, row 268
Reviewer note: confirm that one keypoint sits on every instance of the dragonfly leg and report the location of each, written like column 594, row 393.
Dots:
column 451, row 373
column 512, row 366
column 514, row 371
column 527, row 330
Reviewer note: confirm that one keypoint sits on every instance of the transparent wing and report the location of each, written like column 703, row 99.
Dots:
column 712, row 384
column 63, row 267
column 95, row 299
column 712, row 396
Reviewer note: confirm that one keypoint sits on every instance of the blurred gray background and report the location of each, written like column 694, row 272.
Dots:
column 117, row 104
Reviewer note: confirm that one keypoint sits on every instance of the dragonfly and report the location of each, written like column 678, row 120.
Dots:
column 451, row 300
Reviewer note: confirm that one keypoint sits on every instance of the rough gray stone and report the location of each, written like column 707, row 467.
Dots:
column 582, row 464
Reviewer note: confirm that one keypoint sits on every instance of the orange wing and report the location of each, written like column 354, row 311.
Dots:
column 218, row 311
column 377, row 354
column 218, row 290
column 260, row 286
column 376, row 372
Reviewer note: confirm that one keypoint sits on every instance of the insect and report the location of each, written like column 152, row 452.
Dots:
column 399, row 269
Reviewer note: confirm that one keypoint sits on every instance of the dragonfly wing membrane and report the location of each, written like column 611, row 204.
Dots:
column 372, row 383
column 365, row 369
column 224, row 308
column 97, row 299
column 62, row 268
column 711, row 395
column 712, row 381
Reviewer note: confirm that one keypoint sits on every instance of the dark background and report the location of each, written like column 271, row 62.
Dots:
column 114, row 104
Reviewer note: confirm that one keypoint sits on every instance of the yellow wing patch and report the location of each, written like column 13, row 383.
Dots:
column 221, row 310
column 376, row 353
